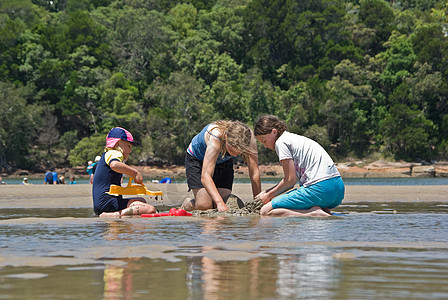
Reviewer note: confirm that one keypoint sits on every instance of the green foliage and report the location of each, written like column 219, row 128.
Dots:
column 18, row 125
column 357, row 76
column 69, row 140
column 177, row 112
column 140, row 41
column 87, row 149
column 406, row 133
column 377, row 15
column 430, row 45
column 399, row 59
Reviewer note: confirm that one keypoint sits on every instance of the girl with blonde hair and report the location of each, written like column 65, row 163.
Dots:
column 209, row 163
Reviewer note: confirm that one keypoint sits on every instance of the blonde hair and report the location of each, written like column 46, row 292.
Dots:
column 116, row 147
column 237, row 134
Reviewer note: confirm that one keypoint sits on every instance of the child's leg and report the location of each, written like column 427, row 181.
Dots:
column 135, row 206
column 188, row 204
column 314, row 211
column 202, row 200
column 138, row 206
column 302, row 202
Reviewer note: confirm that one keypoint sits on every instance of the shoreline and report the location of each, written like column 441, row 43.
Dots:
column 80, row 195
column 378, row 169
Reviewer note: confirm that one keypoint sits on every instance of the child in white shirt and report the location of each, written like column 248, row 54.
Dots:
column 321, row 186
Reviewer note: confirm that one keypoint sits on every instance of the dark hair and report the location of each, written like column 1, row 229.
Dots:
column 265, row 124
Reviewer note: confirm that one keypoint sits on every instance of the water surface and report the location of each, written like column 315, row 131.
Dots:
column 367, row 251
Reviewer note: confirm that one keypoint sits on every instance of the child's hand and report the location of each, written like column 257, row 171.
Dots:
column 264, row 197
column 138, row 178
column 222, row 207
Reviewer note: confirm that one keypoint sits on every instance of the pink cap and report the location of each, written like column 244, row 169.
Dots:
column 116, row 134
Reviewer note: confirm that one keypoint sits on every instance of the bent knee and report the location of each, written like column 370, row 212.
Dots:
column 151, row 209
column 266, row 209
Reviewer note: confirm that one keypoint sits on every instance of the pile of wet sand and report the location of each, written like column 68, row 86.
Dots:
column 236, row 208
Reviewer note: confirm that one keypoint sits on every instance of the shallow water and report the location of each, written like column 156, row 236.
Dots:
column 367, row 251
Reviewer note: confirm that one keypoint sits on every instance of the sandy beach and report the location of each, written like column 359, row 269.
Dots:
column 74, row 196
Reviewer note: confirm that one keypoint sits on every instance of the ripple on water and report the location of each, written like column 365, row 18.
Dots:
column 366, row 252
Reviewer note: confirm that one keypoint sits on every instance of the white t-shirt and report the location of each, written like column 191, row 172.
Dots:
column 312, row 163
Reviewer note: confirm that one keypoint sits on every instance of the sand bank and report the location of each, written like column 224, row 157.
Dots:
column 73, row 196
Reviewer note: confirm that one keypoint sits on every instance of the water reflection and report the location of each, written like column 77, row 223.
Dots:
column 310, row 275
column 117, row 283
column 230, row 274
column 368, row 252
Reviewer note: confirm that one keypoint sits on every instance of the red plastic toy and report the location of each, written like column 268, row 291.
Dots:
column 179, row 212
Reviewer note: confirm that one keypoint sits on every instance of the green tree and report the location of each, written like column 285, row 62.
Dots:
column 140, row 43
column 87, row 149
column 176, row 112
column 294, row 34
column 398, row 61
column 377, row 15
column 259, row 96
column 120, row 105
column 428, row 90
column 10, row 31
column 406, row 133
column 22, row 10
column 68, row 141
column 18, row 124
column 431, row 46
column 348, row 107
column 195, row 54
column 225, row 25
column 48, row 134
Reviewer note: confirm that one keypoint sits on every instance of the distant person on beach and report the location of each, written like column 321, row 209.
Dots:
column 72, row 180
column 61, row 180
column 51, row 178
column 90, row 170
column 91, row 167
column 209, row 163
column 1, row 180
column 110, row 170
column 321, row 186
column 25, row 181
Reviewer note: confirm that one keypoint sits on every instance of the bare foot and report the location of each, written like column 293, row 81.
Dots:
column 115, row 214
column 314, row 211
column 327, row 210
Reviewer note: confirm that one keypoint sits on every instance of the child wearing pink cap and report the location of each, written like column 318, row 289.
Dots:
column 110, row 170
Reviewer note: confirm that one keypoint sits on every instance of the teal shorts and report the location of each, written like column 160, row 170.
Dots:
column 326, row 194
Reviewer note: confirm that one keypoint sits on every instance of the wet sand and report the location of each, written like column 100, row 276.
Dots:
column 79, row 196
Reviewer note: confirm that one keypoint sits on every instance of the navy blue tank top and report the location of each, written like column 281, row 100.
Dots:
column 198, row 146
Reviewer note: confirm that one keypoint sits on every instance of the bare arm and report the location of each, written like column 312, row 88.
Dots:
column 254, row 172
column 285, row 184
column 208, row 167
column 123, row 168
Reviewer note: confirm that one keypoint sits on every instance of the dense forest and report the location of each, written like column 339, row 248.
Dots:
column 366, row 79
